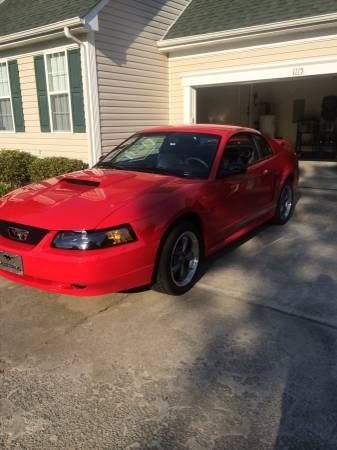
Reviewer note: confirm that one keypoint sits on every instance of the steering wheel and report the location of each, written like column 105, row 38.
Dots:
column 198, row 161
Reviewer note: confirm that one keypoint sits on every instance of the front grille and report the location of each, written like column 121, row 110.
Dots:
column 21, row 233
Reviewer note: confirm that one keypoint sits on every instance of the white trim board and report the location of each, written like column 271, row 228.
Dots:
column 257, row 46
column 48, row 49
column 10, row 97
column 91, row 100
column 293, row 69
column 40, row 30
column 317, row 66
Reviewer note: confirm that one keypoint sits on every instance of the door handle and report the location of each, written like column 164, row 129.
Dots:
column 266, row 172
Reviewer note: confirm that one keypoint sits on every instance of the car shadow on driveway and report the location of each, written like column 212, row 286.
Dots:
column 267, row 375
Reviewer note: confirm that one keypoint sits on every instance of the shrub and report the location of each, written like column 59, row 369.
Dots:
column 41, row 169
column 19, row 168
column 14, row 167
column 4, row 188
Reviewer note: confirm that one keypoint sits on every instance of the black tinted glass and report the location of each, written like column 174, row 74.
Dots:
column 180, row 154
column 263, row 146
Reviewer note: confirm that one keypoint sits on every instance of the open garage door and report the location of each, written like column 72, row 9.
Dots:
column 301, row 110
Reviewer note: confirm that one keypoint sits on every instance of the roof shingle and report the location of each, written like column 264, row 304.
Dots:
column 209, row 16
column 21, row 15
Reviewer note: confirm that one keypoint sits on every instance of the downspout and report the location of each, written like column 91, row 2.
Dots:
column 68, row 35
column 71, row 36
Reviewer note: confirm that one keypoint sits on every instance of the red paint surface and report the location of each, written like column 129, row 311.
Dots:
column 150, row 203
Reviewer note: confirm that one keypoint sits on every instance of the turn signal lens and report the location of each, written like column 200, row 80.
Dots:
column 119, row 236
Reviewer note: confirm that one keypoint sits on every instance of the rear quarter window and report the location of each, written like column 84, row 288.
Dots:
column 263, row 146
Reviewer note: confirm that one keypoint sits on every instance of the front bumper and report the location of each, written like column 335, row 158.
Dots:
column 82, row 273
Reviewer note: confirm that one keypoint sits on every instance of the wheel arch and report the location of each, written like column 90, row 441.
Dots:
column 289, row 176
column 188, row 216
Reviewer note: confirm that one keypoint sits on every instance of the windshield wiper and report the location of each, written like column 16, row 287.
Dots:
column 109, row 165
column 175, row 173
column 145, row 169
column 159, row 171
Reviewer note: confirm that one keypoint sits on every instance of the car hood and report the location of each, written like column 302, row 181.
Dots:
column 85, row 199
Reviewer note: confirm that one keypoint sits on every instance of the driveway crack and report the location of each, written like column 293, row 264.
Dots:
column 95, row 314
column 79, row 323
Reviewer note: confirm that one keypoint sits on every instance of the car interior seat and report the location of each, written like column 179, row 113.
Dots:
column 175, row 150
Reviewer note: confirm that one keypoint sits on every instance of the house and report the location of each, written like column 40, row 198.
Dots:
column 77, row 77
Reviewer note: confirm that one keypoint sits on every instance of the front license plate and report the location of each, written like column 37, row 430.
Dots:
column 11, row 263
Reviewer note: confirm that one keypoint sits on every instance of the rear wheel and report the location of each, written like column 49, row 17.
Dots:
column 179, row 260
column 285, row 204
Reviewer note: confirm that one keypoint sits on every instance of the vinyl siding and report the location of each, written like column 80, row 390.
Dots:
column 239, row 60
column 71, row 145
column 132, row 74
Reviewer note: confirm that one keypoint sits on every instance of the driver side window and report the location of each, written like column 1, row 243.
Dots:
column 240, row 149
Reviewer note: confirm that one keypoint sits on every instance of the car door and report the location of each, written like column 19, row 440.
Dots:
column 230, row 196
column 263, row 170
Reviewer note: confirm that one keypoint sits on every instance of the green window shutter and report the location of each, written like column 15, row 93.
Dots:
column 42, row 93
column 76, row 90
column 14, row 80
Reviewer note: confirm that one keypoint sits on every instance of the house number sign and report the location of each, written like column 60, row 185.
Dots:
column 298, row 71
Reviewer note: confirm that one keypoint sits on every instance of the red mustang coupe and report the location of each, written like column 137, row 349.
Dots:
column 148, row 212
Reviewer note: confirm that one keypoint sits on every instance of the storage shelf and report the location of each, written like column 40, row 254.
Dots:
column 311, row 139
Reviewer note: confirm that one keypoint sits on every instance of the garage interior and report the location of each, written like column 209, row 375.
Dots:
column 302, row 111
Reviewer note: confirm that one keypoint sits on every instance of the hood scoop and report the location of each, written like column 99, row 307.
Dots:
column 81, row 182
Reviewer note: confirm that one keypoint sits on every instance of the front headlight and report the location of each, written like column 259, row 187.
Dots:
column 92, row 240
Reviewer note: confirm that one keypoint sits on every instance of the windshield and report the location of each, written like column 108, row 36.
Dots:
column 181, row 154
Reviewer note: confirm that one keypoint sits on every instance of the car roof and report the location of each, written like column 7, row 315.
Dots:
column 198, row 128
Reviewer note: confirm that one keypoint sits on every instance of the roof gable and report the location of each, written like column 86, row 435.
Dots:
column 22, row 15
column 210, row 16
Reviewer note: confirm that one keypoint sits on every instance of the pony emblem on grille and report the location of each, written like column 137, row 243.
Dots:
column 18, row 234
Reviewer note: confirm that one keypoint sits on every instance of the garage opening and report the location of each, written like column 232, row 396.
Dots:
column 301, row 110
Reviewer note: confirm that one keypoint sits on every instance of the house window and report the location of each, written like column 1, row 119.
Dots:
column 58, row 91
column 6, row 111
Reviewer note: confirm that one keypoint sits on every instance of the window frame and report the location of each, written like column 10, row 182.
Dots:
column 10, row 98
column 253, row 144
column 262, row 157
column 49, row 93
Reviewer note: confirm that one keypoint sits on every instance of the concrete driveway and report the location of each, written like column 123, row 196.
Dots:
column 246, row 360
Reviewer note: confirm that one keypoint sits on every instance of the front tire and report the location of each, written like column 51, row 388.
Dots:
column 179, row 260
column 285, row 205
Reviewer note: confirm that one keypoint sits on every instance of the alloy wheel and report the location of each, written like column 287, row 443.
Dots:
column 286, row 202
column 185, row 258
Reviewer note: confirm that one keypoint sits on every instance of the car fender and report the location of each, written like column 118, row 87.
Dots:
column 165, row 229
